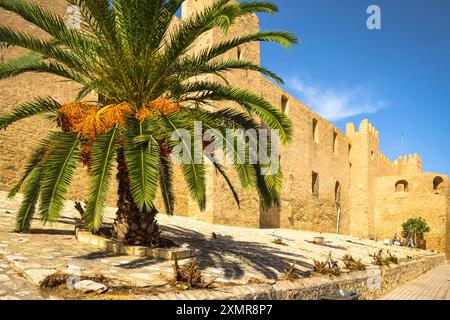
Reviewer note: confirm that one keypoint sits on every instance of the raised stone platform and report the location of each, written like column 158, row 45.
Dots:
column 137, row 251
column 370, row 284
column 244, row 262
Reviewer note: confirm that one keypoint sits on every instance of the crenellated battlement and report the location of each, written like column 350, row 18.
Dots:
column 365, row 127
column 409, row 164
column 386, row 161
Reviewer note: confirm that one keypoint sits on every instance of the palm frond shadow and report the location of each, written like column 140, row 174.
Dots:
column 231, row 255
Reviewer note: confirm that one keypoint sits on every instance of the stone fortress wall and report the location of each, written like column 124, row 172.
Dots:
column 357, row 192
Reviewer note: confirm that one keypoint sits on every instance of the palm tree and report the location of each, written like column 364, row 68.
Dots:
column 151, row 85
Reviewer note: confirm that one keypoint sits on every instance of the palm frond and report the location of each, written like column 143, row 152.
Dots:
column 143, row 165
column 234, row 147
column 103, row 152
column 49, row 22
column 192, row 164
column 192, row 67
column 264, row 193
column 47, row 48
column 274, row 118
column 166, row 184
column 286, row 39
column 33, row 62
column 29, row 202
column 58, row 170
column 258, row 6
column 31, row 108
column 34, row 160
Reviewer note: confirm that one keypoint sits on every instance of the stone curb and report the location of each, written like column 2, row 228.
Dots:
column 313, row 288
column 138, row 251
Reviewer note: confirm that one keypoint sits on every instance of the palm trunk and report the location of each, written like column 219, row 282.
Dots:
column 132, row 226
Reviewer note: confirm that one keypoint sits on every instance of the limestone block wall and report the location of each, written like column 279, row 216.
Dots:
column 409, row 164
column 419, row 199
column 18, row 141
column 447, row 231
column 324, row 152
column 367, row 163
column 351, row 161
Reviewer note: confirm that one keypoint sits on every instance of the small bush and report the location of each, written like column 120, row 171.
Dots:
column 415, row 229
column 279, row 242
column 291, row 273
column 327, row 267
column 352, row 264
column 189, row 277
column 392, row 258
column 381, row 259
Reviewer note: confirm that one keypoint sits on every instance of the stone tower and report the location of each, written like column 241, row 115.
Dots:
column 364, row 156
column 220, row 206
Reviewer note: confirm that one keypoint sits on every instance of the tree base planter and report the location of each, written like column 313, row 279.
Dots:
column 176, row 253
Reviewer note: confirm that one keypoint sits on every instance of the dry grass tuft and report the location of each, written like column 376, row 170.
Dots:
column 327, row 267
column 279, row 242
column 352, row 264
column 383, row 259
column 189, row 277
column 291, row 273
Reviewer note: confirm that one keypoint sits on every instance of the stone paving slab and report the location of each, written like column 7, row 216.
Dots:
column 235, row 256
column 433, row 285
column 15, row 287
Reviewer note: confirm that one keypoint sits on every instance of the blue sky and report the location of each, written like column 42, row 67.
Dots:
column 397, row 77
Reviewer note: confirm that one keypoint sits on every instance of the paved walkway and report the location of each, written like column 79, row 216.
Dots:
column 433, row 285
column 232, row 256
column 15, row 287
column 236, row 255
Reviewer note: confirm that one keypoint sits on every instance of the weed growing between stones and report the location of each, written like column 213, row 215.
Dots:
column 291, row 273
column 189, row 276
column 279, row 241
column 352, row 264
column 327, row 267
column 383, row 259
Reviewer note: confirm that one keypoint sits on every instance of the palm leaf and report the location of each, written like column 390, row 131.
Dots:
column 28, row 109
column 35, row 63
column 166, row 184
column 33, row 162
column 143, row 165
column 258, row 6
column 103, row 152
column 274, row 118
column 30, row 199
column 192, row 166
column 264, row 193
column 59, row 168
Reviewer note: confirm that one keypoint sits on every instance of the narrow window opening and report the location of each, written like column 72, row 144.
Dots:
column 315, row 131
column 337, row 192
column 284, row 103
column 315, row 183
column 335, row 143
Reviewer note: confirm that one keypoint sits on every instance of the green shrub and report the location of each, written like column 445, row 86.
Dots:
column 416, row 228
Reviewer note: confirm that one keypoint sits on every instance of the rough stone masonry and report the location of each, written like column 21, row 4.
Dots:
column 334, row 181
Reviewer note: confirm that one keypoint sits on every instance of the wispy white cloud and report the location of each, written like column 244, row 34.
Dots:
column 334, row 104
